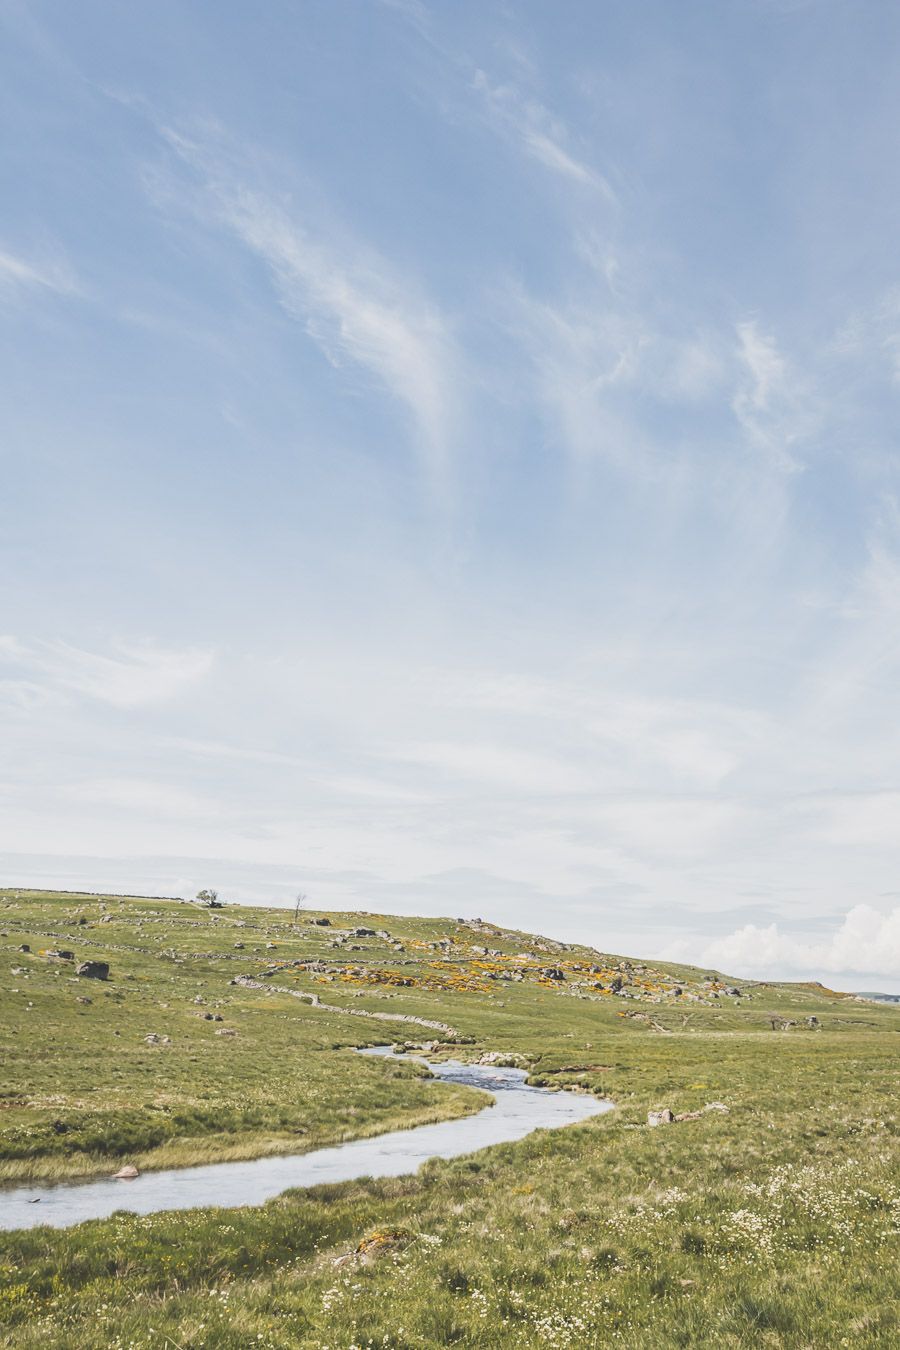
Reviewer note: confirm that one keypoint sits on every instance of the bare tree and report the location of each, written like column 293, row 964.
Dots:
column 209, row 897
column 300, row 904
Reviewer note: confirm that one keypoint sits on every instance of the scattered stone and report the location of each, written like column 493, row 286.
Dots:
column 499, row 1060
column 362, row 932
column 717, row 1106
column 552, row 973
column 24, row 948
column 81, row 999
column 127, row 1173
column 239, row 946
column 664, row 1117
column 212, row 1017
column 812, row 1021
column 226, row 1031
column 93, row 970
column 321, row 923
column 106, row 918
column 61, row 955
column 155, row 1039
column 689, row 1115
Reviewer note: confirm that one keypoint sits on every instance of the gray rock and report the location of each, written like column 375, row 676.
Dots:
column 663, row 1117
column 127, row 1173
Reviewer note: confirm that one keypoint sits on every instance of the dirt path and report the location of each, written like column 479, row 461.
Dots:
column 245, row 982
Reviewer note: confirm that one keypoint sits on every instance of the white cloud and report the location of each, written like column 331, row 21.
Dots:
column 867, row 942
column 133, row 676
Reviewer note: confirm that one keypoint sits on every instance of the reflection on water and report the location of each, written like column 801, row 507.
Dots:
column 515, row 1111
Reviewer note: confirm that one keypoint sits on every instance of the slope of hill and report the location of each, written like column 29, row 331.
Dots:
column 222, row 1033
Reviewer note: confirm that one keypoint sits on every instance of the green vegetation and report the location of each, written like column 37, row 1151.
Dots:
column 774, row 1223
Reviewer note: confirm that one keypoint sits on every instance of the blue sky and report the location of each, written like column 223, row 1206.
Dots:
column 450, row 464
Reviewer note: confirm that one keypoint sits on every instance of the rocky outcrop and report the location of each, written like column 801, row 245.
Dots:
column 93, row 970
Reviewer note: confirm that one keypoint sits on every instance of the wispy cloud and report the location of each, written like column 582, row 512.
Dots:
column 18, row 274
column 356, row 305
column 131, row 677
column 526, row 123
column 770, row 402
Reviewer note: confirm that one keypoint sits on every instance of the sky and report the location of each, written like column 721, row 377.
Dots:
column 449, row 464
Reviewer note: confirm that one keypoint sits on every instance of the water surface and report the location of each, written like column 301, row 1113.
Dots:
column 515, row 1111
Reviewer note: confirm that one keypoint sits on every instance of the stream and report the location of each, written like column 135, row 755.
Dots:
column 515, row 1111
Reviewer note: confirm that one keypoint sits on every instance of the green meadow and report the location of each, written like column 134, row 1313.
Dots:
column 770, row 1219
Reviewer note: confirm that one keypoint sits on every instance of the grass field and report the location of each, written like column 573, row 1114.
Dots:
column 774, row 1223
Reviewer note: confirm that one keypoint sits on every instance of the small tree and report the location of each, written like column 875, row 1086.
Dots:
column 209, row 897
column 300, row 904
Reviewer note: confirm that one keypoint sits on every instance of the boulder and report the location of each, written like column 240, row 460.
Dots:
column 93, row 970
column 127, row 1173
column 226, row 1031
column 321, row 923
column 155, row 1039
column 663, row 1117
column 24, row 948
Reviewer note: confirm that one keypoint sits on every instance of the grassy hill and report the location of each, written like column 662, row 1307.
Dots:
column 224, row 1033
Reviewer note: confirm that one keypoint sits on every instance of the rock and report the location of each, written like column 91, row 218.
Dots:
column 155, row 1039
column 82, row 999
column 664, row 1117
column 812, row 1021
column 321, row 923
column 106, row 918
column 61, row 955
column 239, row 946
column 733, row 993
column 499, row 1060
column 717, row 1106
column 24, row 948
column 226, row 1031
column 689, row 1115
column 212, row 1017
column 127, row 1173
column 93, row 970
column 552, row 973
column 362, row 932
column 270, row 946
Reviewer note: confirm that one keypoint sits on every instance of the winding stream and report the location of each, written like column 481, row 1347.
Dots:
column 515, row 1111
